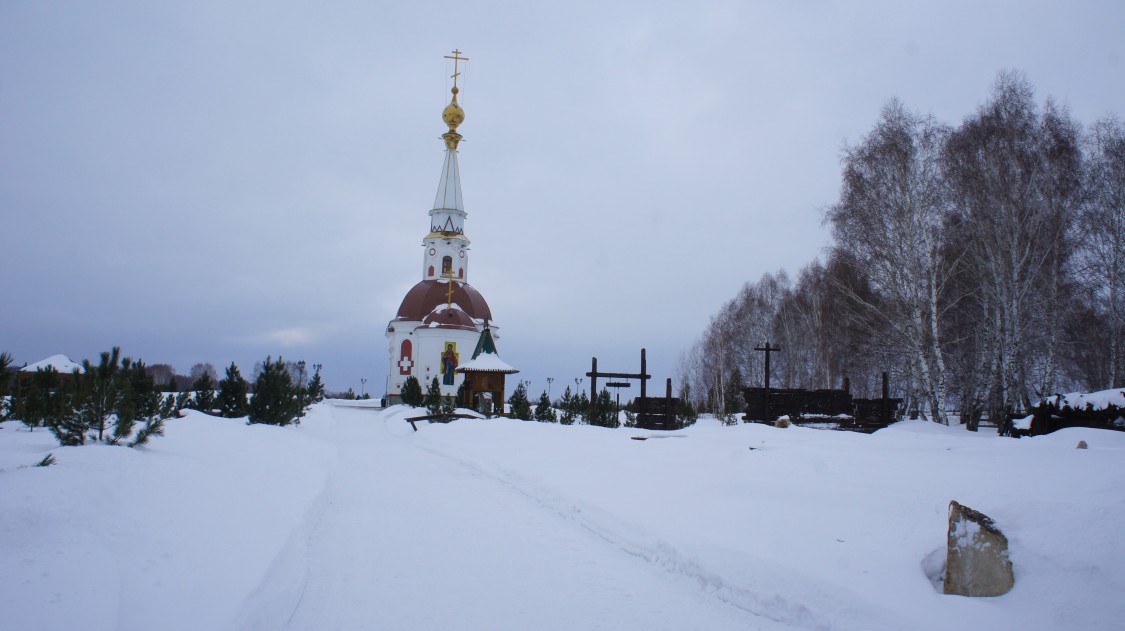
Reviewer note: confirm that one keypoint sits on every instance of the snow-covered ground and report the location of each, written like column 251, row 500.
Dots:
column 352, row 520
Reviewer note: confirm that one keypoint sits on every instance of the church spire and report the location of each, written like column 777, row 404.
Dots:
column 449, row 186
column 447, row 247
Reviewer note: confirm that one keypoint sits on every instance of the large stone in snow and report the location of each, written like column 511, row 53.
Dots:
column 976, row 562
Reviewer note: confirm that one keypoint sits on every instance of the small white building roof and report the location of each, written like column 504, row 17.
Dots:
column 487, row 362
column 60, row 363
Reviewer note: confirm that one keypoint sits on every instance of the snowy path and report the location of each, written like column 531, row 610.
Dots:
column 407, row 538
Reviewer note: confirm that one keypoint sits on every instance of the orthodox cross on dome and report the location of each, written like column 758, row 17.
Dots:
column 449, row 289
column 456, row 58
column 453, row 115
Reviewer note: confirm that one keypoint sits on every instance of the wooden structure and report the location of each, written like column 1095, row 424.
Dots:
column 767, row 350
column 435, row 418
column 1056, row 413
column 652, row 412
column 484, row 377
column 766, row 405
column 657, row 412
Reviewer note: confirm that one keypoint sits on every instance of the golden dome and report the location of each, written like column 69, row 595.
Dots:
column 453, row 115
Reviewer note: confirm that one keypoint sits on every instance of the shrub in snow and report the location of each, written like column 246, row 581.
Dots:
column 109, row 399
column 204, row 390
column 435, row 403
column 544, row 413
column 5, row 374
column 232, row 395
column 782, row 421
column 566, row 404
column 315, row 389
column 605, row 412
column 412, row 392
column 275, row 399
column 521, row 407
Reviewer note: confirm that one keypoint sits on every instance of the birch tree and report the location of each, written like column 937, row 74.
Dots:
column 1011, row 173
column 892, row 216
column 1102, row 238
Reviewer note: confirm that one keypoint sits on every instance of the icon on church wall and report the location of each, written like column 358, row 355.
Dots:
column 449, row 363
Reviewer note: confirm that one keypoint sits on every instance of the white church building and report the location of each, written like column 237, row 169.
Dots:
column 440, row 320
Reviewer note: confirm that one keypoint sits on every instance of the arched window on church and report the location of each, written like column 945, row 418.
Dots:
column 406, row 359
column 460, row 272
column 447, row 266
column 431, row 271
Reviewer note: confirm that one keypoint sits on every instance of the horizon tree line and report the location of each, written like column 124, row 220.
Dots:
column 105, row 402
column 981, row 265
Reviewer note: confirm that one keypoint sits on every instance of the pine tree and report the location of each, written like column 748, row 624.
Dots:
column 543, row 411
column 275, row 397
column 154, row 427
column 316, row 388
column 140, row 400
column 183, row 400
column 433, row 397
column 64, row 419
column 521, row 407
column 463, row 395
column 232, row 394
column 582, row 406
column 99, row 391
column 127, row 403
column 566, row 404
column 605, row 412
column 733, row 404
column 117, row 388
column 5, row 375
column 32, row 405
column 412, row 392
column 204, row 390
column 168, row 405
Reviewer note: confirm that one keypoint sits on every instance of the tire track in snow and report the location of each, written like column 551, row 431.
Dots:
column 282, row 587
column 637, row 542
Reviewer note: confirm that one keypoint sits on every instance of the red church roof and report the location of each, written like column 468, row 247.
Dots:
column 424, row 297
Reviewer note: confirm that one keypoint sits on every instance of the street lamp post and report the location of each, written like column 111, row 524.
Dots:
column 362, row 387
column 301, row 388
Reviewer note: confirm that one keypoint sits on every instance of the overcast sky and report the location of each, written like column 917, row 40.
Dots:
column 217, row 181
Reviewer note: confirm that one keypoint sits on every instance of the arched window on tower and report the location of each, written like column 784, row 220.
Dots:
column 460, row 272
column 431, row 271
column 447, row 266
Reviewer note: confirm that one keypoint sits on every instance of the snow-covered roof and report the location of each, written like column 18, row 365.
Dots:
column 60, row 363
column 1096, row 400
column 487, row 362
